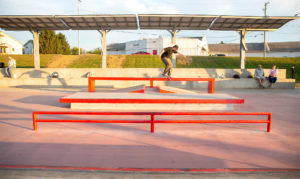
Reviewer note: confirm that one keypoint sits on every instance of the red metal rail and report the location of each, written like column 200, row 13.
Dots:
column 211, row 81
column 141, row 101
column 152, row 121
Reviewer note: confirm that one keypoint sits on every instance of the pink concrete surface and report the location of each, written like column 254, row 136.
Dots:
column 133, row 146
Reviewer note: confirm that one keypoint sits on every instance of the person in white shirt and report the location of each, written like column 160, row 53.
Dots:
column 259, row 75
column 11, row 65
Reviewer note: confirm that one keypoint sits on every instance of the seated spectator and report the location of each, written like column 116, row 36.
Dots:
column 273, row 76
column 11, row 65
column 259, row 75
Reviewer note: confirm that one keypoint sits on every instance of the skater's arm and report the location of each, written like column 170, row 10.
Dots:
column 162, row 51
column 181, row 54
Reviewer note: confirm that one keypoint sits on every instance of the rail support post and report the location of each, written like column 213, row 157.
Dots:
column 34, row 121
column 151, row 83
column 211, row 86
column 270, row 122
column 91, row 85
column 152, row 123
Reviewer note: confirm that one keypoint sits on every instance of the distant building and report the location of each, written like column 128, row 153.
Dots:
column 274, row 49
column 188, row 46
column 9, row 45
column 28, row 47
column 116, row 49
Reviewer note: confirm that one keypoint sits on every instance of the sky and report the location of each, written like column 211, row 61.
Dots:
column 92, row 39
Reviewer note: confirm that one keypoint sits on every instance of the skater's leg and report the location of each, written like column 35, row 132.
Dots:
column 168, row 66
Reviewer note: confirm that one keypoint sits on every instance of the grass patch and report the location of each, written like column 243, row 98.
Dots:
column 251, row 62
column 87, row 61
column 26, row 61
column 143, row 61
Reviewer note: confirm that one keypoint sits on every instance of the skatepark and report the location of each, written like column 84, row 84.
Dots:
column 132, row 122
column 172, row 146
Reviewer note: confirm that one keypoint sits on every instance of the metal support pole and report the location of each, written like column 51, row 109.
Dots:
column 265, row 44
column 78, row 30
column 103, row 42
column 36, row 48
column 243, row 49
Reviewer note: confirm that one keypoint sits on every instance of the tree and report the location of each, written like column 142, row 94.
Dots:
column 222, row 42
column 63, row 44
column 47, row 42
column 95, row 51
column 50, row 43
column 74, row 51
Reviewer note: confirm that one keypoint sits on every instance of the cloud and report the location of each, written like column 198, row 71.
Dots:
column 34, row 7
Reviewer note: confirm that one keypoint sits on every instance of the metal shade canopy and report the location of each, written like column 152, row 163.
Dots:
column 174, row 21
column 146, row 21
column 74, row 22
column 250, row 23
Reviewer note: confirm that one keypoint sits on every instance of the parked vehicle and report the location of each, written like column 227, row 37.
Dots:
column 141, row 53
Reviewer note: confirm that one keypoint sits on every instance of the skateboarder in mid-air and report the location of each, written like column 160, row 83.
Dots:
column 165, row 56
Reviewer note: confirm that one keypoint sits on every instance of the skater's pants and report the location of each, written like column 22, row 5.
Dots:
column 168, row 64
column 8, row 72
column 272, row 79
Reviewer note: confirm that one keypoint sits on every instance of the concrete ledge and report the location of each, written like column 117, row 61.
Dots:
column 134, row 72
column 83, row 82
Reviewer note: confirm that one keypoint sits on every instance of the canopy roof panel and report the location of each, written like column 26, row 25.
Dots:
column 97, row 22
column 181, row 22
column 249, row 23
column 74, row 22
column 31, row 23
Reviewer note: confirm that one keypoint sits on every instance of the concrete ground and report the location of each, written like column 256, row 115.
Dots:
column 38, row 173
column 181, row 146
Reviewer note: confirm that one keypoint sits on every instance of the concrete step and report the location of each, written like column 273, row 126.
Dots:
column 151, row 101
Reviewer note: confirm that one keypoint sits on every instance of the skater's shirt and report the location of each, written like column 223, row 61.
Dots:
column 168, row 52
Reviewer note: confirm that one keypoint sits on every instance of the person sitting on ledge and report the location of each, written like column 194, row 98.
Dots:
column 10, row 67
column 273, row 76
column 259, row 75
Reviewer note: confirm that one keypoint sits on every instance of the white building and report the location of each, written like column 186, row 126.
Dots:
column 9, row 45
column 188, row 46
column 274, row 49
column 28, row 47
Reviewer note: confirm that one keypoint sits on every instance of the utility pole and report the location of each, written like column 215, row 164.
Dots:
column 79, row 1
column 265, row 45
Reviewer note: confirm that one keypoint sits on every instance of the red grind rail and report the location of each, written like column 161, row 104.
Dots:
column 211, row 81
column 153, row 169
column 140, row 101
column 152, row 120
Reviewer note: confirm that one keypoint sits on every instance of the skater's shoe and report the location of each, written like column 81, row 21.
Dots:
column 169, row 77
column 164, row 75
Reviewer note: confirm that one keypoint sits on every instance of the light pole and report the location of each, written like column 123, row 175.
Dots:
column 265, row 45
column 79, row 1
